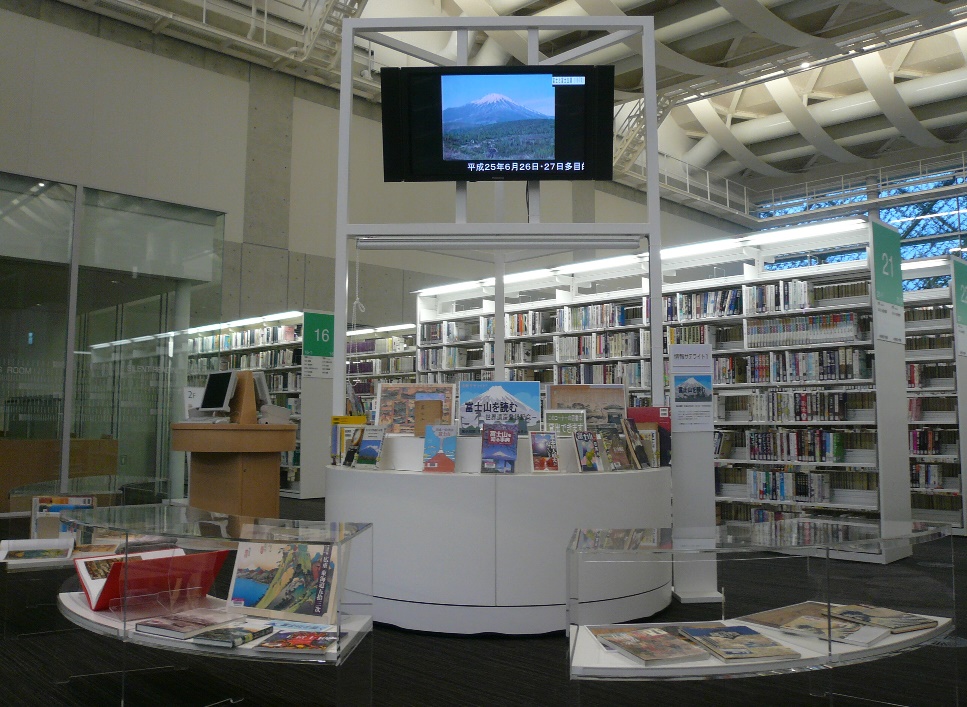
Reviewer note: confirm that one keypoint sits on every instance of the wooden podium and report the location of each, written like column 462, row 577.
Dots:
column 235, row 465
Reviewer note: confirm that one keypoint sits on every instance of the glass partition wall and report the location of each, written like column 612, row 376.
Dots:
column 97, row 287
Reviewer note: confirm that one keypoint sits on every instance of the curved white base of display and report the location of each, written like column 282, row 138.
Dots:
column 443, row 618
column 479, row 553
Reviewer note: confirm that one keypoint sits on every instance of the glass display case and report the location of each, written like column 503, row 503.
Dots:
column 192, row 581
column 788, row 605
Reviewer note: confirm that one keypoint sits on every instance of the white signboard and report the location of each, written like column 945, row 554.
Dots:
column 690, row 369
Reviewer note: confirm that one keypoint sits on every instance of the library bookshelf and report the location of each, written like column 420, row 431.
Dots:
column 936, row 464
column 808, row 366
column 272, row 344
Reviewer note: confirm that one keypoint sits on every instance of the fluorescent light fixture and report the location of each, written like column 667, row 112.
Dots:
column 692, row 249
column 923, row 264
column 139, row 339
column 603, row 264
column 360, row 332
column 100, row 346
column 396, row 327
column 783, row 235
column 281, row 315
column 525, row 276
column 200, row 329
column 245, row 322
column 449, row 289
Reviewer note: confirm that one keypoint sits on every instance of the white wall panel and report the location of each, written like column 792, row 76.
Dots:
column 79, row 109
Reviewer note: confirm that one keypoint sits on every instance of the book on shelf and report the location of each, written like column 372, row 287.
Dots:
column 440, row 448
column 564, row 422
column 544, row 451
column 285, row 580
column 896, row 621
column 615, row 447
column 297, row 642
column 370, row 447
column 807, row 618
column 737, row 642
column 517, row 402
column 235, row 634
column 649, row 645
column 498, row 447
column 168, row 572
column 184, row 624
column 588, row 445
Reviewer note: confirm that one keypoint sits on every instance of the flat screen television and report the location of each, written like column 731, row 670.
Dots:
column 219, row 389
column 497, row 123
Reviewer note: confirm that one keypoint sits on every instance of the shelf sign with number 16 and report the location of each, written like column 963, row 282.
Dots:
column 887, row 285
column 317, row 344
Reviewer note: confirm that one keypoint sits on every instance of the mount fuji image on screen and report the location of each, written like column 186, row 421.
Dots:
column 498, row 117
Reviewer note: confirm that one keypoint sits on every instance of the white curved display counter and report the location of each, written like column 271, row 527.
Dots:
column 475, row 553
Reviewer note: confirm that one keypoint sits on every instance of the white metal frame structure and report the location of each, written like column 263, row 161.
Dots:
column 494, row 236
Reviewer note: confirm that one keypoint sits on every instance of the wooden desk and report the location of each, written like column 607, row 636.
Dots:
column 234, row 467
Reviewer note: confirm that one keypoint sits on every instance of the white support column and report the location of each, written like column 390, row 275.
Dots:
column 77, row 234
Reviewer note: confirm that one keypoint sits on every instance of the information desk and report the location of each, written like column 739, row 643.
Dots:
column 471, row 553
column 234, row 467
column 763, row 567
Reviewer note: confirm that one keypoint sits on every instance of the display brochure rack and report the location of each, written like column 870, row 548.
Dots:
column 795, row 556
column 316, row 573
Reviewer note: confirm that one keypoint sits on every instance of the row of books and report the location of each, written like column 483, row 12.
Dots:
column 594, row 346
column 840, row 327
column 930, row 342
column 741, row 640
column 270, row 358
column 783, row 296
column 822, row 406
column 928, row 313
column 840, row 363
column 800, row 487
column 382, row 345
column 922, row 375
column 376, row 366
column 610, row 447
column 260, row 336
column 634, row 374
column 803, row 445
column 931, row 440
column 926, row 408
column 926, row 476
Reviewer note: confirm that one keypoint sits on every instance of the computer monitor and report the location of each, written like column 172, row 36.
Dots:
column 219, row 389
column 262, row 396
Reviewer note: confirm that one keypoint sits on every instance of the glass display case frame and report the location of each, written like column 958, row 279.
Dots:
column 194, row 532
column 765, row 566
